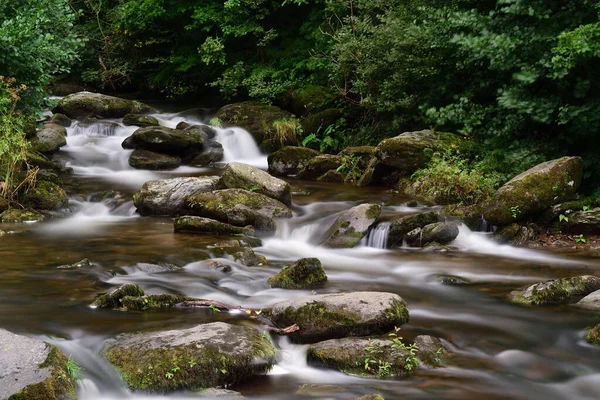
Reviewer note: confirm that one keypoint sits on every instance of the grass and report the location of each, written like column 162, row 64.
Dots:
column 286, row 131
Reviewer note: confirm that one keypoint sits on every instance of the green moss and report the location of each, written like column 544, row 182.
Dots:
column 593, row 335
column 113, row 299
column 14, row 215
column 151, row 302
column 46, row 196
column 304, row 274
column 373, row 212
column 345, row 224
column 555, row 292
column 316, row 317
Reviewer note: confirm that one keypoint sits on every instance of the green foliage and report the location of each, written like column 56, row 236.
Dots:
column 580, row 239
column 563, row 218
column 515, row 212
column 352, row 167
column 214, row 308
column 411, row 360
column 286, row 131
column 73, row 369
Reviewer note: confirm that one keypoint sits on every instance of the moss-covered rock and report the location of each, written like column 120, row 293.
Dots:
column 451, row 280
column 582, row 222
column 42, row 161
column 332, row 176
column 439, row 232
column 320, row 120
column 305, row 273
column 351, row 226
column 244, row 176
column 306, row 99
column 557, row 291
column 319, row 165
column 166, row 196
column 213, row 152
column 253, row 116
column 32, row 369
column 245, row 256
column 237, row 207
column 48, row 175
column 151, row 302
column 590, row 301
column 144, row 159
column 60, row 119
column 16, row 215
column 400, row 226
column 50, row 139
column 593, row 335
column 331, row 316
column 535, row 190
column 140, row 120
column 85, row 105
column 173, row 142
column 208, row 355
column 207, row 225
column 46, row 196
column 113, row 299
column 290, row 160
column 432, row 352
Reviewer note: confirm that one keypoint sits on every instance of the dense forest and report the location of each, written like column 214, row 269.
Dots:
column 515, row 75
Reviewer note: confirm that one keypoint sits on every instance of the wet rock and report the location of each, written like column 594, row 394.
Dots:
column 207, row 225
column 535, row 190
column 583, row 222
column 590, row 301
column 255, row 117
column 244, row 176
column 332, row 176
column 144, row 159
column 60, row 119
column 46, row 196
column 305, row 273
column 245, row 256
column 213, row 153
column 40, row 160
column 173, row 142
column 218, row 266
column 290, row 160
column 369, row 172
column 351, row 226
column 557, row 291
column 440, row 232
column 349, row 356
column 48, row 175
column 15, row 215
column 432, row 352
column 319, row 165
column 79, row 264
column 207, row 131
column 330, row 316
column 213, row 393
column 237, row 207
column 452, row 280
column 507, row 233
column 593, row 335
column 85, row 105
column 49, row 139
column 207, row 355
column 151, row 302
column 400, row 226
column 320, row 120
column 166, row 196
column 32, row 369
column 113, row 299
column 139, row 120
column 435, row 247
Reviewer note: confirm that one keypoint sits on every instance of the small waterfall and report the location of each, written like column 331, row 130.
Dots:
column 378, row 236
column 105, row 128
column 239, row 145
column 484, row 226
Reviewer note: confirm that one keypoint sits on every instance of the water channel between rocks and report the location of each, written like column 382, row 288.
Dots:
column 502, row 350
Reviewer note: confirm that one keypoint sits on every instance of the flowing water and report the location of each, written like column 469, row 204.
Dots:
column 502, row 351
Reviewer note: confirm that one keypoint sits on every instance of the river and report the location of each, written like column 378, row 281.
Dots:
column 502, row 351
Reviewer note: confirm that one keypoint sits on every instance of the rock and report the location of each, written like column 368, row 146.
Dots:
column 245, row 256
column 372, row 396
column 213, row 153
column 166, row 196
column 369, row 172
column 49, row 139
column 320, row 120
column 337, row 315
column 407, row 152
column 32, row 369
column 440, row 232
column 60, row 119
column 139, row 120
column 319, row 165
column 237, row 207
column 46, row 196
column 244, row 176
column 332, row 176
column 79, row 264
column 582, row 222
column 349, row 356
column 207, row 355
column 557, row 291
column 14, row 215
column 184, row 144
column 113, row 299
column 431, row 351
column 593, row 335
column 507, row 233
column 213, row 393
column 400, row 226
column 48, row 175
column 207, row 225
column 42, row 161
column 590, row 301
column 151, row 302
column 319, row 390
column 144, row 159
column 290, row 160
column 351, row 226
column 253, row 116
column 85, row 105
column 435, row 247
column 535, row 190
column 452, row 280
column 206, row 131
column 305, row 273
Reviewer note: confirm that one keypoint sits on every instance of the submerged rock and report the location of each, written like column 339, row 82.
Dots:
column 305, row 273
column 166, row 196
column 85, row 105
column 32, row 369
column 439, row 232
column 319, row 165
column 535, row 190
column 290, row 160
column 590, row 301
column 244, row 176
column 557, row 291
column 330, row 316
column 139, row 120
column 144, row 159
column 14, row 215
column 50, row 139
column 207, row 225
column 46, row 196
column 207, row 355
column 79, row 264
column 400, row 226
column 351, row 226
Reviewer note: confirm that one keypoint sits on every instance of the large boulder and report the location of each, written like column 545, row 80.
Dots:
column 207, row 355
column 591, row 301
column 407, row 152
column 535, row 190
column 237, row 207
column 46, row 196
column 33, row 369
column 184, row 144
column 139, row 120
column 305, row 273
column 351, row 226
column 206, row 225
column 557, row 291
column 253, row 116
column 400, row 226
column 166, row 196
column 85, row 105
column 319, row 165
column 290, row 160
column 336, row 315
column 50, row 139
column 144, row 159
column 244, row 176
column 439, row 232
